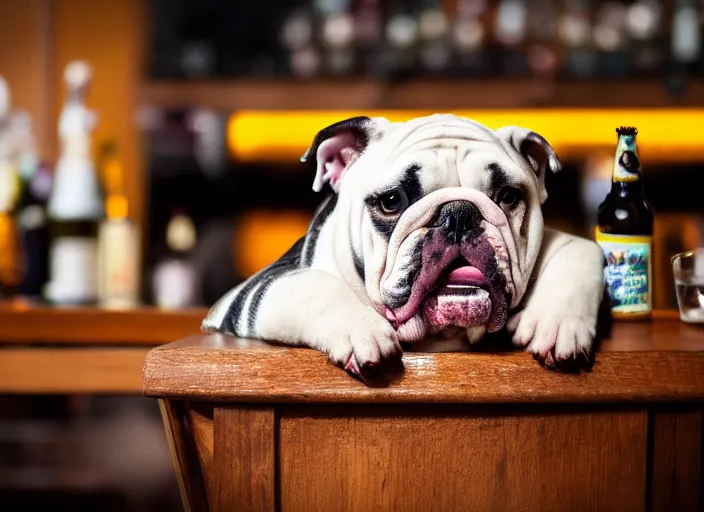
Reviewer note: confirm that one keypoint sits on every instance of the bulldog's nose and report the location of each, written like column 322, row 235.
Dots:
column 457, row 218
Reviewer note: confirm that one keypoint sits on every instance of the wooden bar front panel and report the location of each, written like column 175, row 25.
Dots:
column 445, row 462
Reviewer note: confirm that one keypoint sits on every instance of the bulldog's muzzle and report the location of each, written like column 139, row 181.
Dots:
column 457, row 219
column 450, row 262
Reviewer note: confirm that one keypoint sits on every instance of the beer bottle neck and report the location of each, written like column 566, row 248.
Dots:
column 627, row 177
column 632, row 189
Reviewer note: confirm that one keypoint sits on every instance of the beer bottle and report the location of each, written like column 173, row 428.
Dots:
column 625, row 233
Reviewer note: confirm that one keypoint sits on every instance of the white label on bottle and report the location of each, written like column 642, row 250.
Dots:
column 174, row 285
column 118, row 271
column 72, row 266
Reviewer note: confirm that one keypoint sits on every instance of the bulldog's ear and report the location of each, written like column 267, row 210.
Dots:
column 337, row 147
column 535, row 150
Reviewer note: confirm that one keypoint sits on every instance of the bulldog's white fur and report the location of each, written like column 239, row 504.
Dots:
column 341, row 287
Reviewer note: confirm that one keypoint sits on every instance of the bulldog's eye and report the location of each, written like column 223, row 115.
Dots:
column 391, row 203
column 509, row 196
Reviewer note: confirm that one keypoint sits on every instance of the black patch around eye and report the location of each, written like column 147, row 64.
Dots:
column 383, row 225
column 412, row 188
column 498, row 177
column 410, row 183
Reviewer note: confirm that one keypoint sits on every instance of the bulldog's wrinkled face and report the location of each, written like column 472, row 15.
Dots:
column 444, row 222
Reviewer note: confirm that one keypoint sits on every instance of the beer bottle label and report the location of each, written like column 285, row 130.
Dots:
column 628, row 272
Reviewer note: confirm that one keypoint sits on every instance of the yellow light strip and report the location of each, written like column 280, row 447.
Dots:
column 664, row 135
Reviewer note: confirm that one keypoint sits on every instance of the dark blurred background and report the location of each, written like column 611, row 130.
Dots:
column 208, row 105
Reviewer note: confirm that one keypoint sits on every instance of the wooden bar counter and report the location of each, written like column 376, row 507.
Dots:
column 255, row 426
column 82, row 350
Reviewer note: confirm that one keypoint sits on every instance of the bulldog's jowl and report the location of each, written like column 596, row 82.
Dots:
column 433, row 235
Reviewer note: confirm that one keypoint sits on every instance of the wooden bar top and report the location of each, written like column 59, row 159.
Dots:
column 22, row 323
column 658, row 360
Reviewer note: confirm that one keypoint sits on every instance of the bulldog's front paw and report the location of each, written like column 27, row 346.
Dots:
column 370, row 349
column 557, row 340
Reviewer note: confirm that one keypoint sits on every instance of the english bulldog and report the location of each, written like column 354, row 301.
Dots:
column 431, row 237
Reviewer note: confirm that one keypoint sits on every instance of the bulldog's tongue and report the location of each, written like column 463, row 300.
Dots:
column 460, row 302
column 466, row 275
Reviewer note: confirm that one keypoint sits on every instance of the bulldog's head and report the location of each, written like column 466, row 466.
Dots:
column 442, row 215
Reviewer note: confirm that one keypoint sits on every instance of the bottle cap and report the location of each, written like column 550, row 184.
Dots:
column 627, row 130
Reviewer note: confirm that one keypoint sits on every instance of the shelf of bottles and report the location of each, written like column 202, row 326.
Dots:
column 413, row 39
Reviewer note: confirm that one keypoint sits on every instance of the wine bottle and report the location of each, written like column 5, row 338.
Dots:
column 75, row 205
column 118, row 239
column 174, row 278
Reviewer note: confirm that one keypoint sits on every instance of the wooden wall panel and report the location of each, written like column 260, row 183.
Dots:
column 581, row 461
column 25, row 62
column 677, row 460
column 244, row 460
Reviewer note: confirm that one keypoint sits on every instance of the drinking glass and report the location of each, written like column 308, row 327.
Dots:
column 688, row 268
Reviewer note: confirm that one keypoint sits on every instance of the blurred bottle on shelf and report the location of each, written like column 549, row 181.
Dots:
column 686, row 54
column 297, row 37
column 75, row 205
column 611, row 40
column 337, row 31
column 469, row 36
column 34, row 231
column 542, row 53
column 406, row 39
column 118, row 239
column 174, row 279
column 368, row 26
column 644, row 24
column 510, row 34
column 575, row 31
column 9, row 191
column 31, row 213
column 396, row 58
column 434, row 47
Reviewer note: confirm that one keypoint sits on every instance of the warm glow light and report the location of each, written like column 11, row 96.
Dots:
column 664, row 135
column 263, row 236
column 116, row 207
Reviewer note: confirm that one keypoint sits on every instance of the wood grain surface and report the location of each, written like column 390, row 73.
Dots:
column 200, row 416
column 243, row 459
column 661, row 360
column 73, row 370
column 21, row 323
column 677, row 460
column 576, row 461
column 184, row 456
